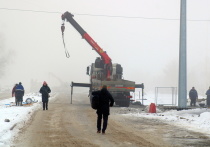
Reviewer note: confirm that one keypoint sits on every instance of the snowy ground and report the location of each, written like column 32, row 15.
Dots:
column 17, row 116
column 197, row 119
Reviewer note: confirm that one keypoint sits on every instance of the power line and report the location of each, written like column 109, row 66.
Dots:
column 138, row 17
column 36, row 11
column 94, row 15
column 197, row 20
column 128, row 17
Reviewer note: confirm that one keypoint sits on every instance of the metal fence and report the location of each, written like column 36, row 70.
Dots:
column 166, row 96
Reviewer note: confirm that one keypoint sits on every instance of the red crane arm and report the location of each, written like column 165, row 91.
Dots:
column 98, row 49
column 106, row 59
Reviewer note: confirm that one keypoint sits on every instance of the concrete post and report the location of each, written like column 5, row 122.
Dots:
column 182, row 95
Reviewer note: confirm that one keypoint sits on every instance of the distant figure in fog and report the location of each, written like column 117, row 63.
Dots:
column 19, row 93
column 193, row 96
column 13, row 93
column 208, row 97
column 45, row 90
column 105, row 101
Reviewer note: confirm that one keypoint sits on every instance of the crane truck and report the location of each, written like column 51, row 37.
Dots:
column 103, row 71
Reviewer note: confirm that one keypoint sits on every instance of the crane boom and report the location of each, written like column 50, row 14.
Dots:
column 105, row 58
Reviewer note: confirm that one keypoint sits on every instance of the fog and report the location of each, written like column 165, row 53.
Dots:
column 145, row 41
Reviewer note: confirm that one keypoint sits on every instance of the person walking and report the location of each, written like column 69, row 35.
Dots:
column 208, row 97
column 105, row 101
column 45, row 90
column 13, row 93
column 19, row 93
column 193, row 96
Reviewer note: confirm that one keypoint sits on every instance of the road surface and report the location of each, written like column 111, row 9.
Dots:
column 74, row 125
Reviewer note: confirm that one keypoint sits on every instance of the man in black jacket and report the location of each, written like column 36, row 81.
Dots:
column 193, row 96
column 105, row 101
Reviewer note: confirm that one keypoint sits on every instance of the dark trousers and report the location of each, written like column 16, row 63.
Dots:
column 193, row 102
column 105, row 120
column 208, row 101
column 45, row 105
column 19, row 101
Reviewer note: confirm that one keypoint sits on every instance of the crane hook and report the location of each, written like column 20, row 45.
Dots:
column 62, row 30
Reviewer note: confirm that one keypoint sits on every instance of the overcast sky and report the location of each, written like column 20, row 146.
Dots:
column 146, row 46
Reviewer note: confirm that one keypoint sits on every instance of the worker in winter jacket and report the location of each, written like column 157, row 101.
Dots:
column 45, row 90
column 105, row 101
column 208, row 97
column 193, row 96
column 19, row 93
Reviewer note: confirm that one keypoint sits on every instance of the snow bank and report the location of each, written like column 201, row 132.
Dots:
column 197, row 119
column 18, row 116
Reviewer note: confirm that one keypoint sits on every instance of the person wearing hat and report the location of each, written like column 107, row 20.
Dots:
column 19, row 93
column 45, row 90
column 208, row 97
column 193, row 96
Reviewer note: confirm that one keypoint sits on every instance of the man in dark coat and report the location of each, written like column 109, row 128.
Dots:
column 208, row 97
column 105, row 101
column 19, row 93
column 45, row 90
column 193, row 96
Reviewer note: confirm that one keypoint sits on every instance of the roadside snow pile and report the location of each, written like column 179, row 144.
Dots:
column 13, row 118
column 195, row 119
column 127, row 110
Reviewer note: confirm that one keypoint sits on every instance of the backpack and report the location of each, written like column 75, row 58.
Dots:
column 95, row 101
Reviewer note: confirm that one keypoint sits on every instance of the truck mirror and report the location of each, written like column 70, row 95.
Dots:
column 87, row 72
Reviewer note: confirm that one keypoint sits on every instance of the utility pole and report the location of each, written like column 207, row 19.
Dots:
column 182, row 95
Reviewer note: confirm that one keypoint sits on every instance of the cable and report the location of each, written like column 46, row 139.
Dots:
column 29, row 10
column 129, row 17
column 139, row 17
column 197, row 20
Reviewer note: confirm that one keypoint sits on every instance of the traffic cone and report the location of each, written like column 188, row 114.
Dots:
column 152, row 108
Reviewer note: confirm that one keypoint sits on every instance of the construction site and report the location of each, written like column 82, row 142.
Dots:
column 136, row 50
